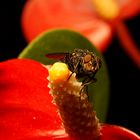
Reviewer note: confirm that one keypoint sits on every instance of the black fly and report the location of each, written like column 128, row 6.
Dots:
column 82, row 62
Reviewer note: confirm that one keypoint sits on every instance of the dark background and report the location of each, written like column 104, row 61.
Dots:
column 124, row 106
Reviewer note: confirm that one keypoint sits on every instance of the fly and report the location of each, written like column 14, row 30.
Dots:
column 82, row 62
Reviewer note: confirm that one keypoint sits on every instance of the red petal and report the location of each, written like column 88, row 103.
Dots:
column 41, row 15
column 114, row 132
column 25, row 103
column 26, row 108
column 129, row 8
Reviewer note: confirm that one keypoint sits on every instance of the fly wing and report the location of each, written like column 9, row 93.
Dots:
column 56, row 56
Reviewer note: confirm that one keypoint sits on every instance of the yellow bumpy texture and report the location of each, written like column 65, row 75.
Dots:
column 59, row 72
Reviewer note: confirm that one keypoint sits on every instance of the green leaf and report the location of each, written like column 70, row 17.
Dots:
column 63, row 40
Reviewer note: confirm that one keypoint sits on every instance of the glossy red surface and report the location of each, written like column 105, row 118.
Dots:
column 26, row 108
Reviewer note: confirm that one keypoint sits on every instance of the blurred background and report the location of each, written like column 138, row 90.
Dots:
column 124, row 105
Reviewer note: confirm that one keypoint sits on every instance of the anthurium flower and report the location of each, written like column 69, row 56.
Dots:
column 27, row 111
column 72, row 14
column 96, row 19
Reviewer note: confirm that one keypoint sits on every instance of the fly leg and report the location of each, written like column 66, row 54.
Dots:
column 85, row 84
column 74, row 69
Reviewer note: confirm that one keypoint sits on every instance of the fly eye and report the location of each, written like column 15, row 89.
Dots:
column 87, row 58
